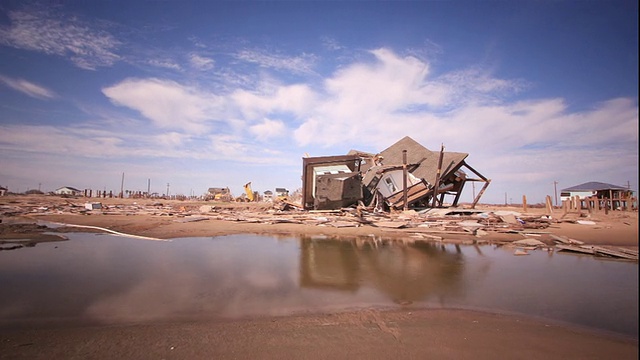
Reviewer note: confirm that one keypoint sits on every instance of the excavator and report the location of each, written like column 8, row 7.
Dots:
column 250, row 195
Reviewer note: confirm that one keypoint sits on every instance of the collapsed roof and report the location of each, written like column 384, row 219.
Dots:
column 406, row 174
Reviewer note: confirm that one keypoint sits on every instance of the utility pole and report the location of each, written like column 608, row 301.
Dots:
column 555, row 192
column 122, row 187
column 167, row 189
column 473, row 186
column 149, row 187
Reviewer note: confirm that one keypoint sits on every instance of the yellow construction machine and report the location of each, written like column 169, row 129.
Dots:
column 247, row 189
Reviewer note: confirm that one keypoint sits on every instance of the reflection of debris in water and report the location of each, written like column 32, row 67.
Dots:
column 19, row 235
column 19, row 243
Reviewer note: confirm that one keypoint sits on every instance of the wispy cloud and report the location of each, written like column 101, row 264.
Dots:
column 302, row 64
column 331, row 44
column 200, row 62
column 28, row 88
column 46, row 31
column 165, row 64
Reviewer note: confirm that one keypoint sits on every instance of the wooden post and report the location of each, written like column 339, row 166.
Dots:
column 437, row 185
column 524, row 203
column 404, row 180
column 548, row 205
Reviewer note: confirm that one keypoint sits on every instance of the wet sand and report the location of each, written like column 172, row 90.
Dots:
column 363, row 334
column 368, row 333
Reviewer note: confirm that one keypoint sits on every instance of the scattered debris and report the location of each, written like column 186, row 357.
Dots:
column 451, row 225
column 618, row 253
column 93, row 206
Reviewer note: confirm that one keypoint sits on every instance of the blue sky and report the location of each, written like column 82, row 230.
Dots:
column 209, row 94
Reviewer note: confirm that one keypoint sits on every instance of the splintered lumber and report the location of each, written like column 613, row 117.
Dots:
column 529, row 242
column 560, row 239
column 510, row 219
column 389, row 224
column 341, row 224
column 566, row 240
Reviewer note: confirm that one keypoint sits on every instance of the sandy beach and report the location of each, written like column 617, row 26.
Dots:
column 362, row 333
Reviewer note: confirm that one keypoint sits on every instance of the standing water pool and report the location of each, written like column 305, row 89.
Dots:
column 107, row 279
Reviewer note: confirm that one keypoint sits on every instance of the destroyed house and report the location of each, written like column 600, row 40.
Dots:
column 406, row 174
column 331, row 182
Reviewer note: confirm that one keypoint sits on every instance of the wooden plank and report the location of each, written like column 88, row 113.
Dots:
column 614, row 253
column 573, row 248
column 628, row 251
column 389, row 224
column 566, row 240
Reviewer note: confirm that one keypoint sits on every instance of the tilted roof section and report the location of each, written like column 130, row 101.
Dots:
column 594, row 186
column 427, row 159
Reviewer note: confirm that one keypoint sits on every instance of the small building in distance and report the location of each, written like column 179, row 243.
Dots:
column 268, row 196
column 282, row 193
column 68, row 190
column 3, row 191
column 599, row 195
column 219, row 193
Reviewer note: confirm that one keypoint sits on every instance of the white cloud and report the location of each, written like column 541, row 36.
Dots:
column 171, row 139
column 28, row 88
column 51, row 33
column 295, row 99
column 167, row 103
column 201, row 62
column 364, row 98
column 268, row 129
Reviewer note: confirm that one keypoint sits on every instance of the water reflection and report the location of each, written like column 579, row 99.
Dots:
column 108, row 279
column 404, row 273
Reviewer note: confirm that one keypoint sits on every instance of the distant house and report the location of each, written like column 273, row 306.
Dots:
column 3, row 191
column 620, row 196
column 282, row 192
column 268, row 195
column 219, row 193
column 67, row 190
